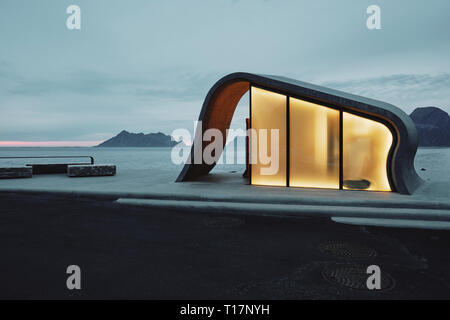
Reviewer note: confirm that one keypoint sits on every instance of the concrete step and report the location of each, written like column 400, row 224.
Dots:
column 405, row 202
column 293, row 210
column 395, row 223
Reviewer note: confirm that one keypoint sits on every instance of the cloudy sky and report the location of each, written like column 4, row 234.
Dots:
column 146, row 65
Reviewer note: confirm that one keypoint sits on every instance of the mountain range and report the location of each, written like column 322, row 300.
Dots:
column 433, row 127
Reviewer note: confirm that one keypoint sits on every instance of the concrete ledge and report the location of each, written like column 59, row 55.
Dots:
column 94, row 170
column 16, row 172
column 395, row 223
column 289, row 210
column 381, row 213
column 268, row 198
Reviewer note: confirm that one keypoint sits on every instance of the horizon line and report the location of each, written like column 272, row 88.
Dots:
column 66, row 143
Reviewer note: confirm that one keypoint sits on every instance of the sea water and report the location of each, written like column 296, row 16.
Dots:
column 155, row 159
column 431, row 163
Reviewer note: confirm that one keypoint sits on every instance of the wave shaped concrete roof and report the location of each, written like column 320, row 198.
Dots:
column 222, row 99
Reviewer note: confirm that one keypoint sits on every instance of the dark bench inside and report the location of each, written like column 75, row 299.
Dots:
column 50, row 168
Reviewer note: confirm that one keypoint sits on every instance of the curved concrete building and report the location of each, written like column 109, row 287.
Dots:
column 325, row 138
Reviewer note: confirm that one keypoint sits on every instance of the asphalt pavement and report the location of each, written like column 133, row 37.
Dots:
column 149, row 253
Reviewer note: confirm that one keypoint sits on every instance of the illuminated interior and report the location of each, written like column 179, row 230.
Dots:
column 366, row 145
column 314, row 145
column 268, row 111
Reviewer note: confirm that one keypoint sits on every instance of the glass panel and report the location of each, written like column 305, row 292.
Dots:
column 314, row 145
column 268, row 148
column 366, row 145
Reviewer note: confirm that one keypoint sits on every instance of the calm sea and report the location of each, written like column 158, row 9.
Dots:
column 434, row 161
column 124, row 158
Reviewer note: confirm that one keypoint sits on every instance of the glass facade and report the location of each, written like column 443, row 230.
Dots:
column 268, row 145
column 366, row 145
column 314, row 135
column 314, row 145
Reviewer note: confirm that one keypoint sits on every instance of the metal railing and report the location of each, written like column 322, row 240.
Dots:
column 51, row 157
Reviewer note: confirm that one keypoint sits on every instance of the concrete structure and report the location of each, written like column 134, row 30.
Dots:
column 340, row 115
column 91, row 170
column 16, row 172
column 138, row 183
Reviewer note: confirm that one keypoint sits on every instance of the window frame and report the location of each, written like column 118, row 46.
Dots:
column 341, row 109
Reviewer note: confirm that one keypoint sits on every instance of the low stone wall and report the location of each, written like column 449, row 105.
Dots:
column 91, row 170
column 16, row 172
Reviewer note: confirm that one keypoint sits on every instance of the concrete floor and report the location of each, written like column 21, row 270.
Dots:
column 229, row 192
column 151, row 183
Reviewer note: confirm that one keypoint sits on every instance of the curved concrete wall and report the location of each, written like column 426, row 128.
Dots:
column 222, row 99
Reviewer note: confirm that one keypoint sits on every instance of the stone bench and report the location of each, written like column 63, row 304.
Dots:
column 16, row 172
column 91, row 170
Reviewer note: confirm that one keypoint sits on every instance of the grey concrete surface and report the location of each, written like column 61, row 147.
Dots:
column 394, row 223
column 153, row 179
column 228, row 191
column 93, row 170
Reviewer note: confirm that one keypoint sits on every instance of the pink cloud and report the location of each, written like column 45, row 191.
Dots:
column 49, row 143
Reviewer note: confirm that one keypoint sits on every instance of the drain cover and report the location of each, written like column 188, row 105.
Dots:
column 354, row 276
column 347, row 250
column 223, row 222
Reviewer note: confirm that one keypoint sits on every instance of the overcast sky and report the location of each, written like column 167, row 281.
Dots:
column 146, row 65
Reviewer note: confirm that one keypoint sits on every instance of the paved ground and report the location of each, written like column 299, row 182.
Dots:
column 229, row 192
column 147, row 174
column 141, row 252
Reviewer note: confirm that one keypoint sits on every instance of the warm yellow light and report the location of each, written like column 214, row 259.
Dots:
column 268, row 111
column 314, row 145
column 314, row 152
column 366, row 145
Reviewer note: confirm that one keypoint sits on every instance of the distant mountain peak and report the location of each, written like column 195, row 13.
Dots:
column 127, row 139
column 428, row 109
column 433, row 126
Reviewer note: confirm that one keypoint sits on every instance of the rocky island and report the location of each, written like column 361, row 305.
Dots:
column 127, row 139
